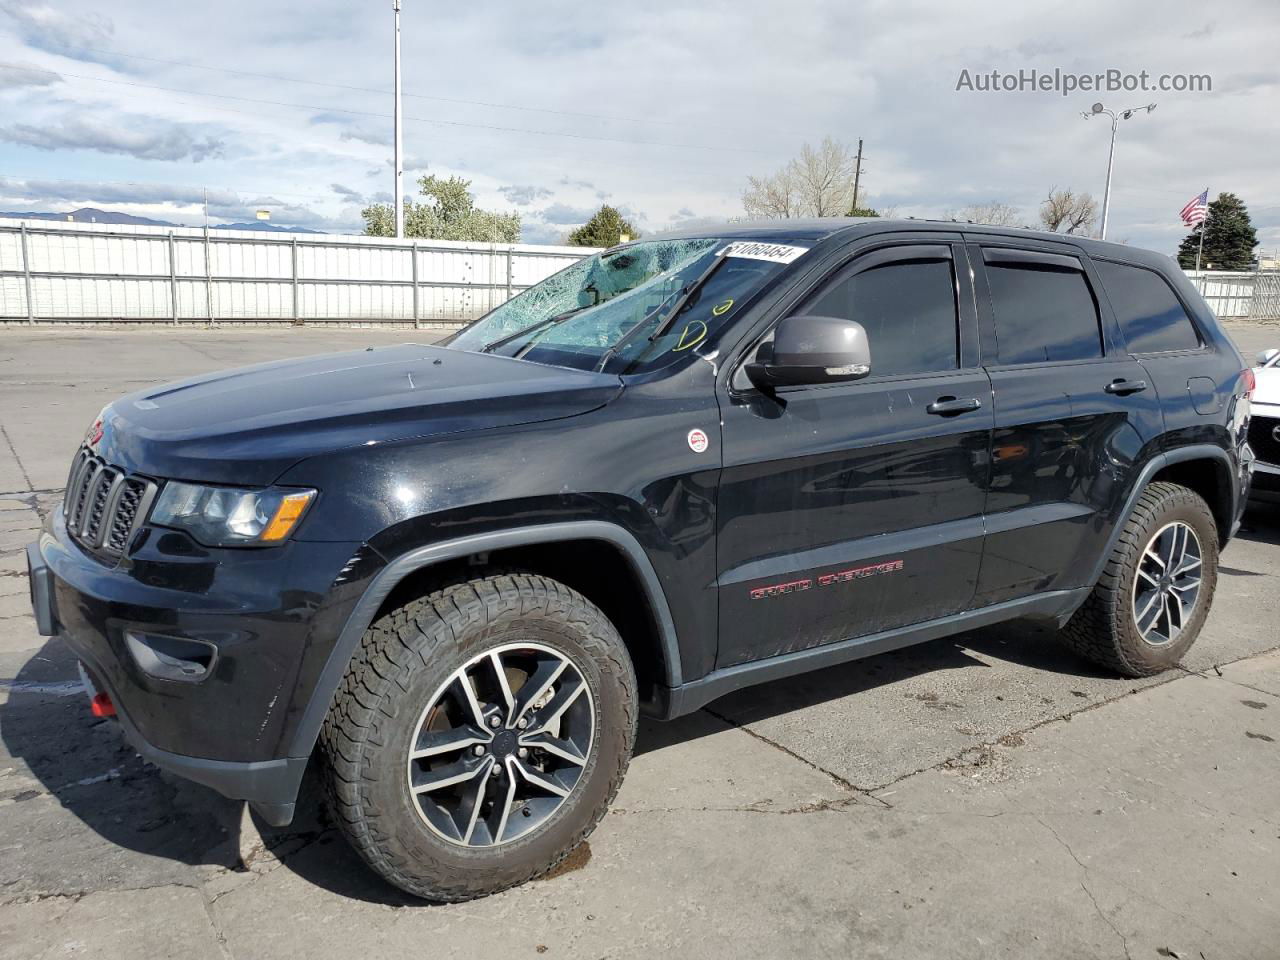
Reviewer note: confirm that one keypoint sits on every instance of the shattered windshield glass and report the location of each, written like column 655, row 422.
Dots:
column 600, row 312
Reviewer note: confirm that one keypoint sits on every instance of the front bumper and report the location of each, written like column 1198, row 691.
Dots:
column 266, row 614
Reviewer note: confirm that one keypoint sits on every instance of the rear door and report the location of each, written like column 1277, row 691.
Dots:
column 1073, row 413
column 848, row 509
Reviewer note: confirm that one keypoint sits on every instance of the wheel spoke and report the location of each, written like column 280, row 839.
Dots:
column 503, row 808
column 536, row 687
column 1153, row 580
column 536, row 778
column 564, row 698
column 475, row 793
column 469, row 700
column 564, row 749
column 1153, row 555
column 1187, row 566
column 446, row 776
column 434, row 743
column 1148, row 607
column 508, row 698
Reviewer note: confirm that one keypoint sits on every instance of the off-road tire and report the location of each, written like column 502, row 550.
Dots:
column 407, row 654
column 1103, row 629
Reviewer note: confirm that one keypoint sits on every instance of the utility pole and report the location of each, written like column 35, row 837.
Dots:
column 857, row 175
column 399, row 133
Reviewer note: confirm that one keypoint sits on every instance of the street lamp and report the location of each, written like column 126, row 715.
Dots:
column 1111, row 156
column 399, row 133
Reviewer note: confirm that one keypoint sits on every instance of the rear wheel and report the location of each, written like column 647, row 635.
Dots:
column 480, row 734
column 1154, row 593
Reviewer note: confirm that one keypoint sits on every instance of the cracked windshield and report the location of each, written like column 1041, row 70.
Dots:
column 635, row 306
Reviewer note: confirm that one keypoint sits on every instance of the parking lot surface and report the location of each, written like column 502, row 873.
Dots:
column 986, row 795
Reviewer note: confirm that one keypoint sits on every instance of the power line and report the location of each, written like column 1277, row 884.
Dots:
column 386, row 116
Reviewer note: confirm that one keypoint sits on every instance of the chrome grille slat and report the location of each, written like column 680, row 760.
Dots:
column 104, row 506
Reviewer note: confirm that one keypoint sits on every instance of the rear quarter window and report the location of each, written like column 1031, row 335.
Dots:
column 1151, row 317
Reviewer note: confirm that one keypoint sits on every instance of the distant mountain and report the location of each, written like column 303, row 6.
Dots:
column 262, row 225
column 94, row 215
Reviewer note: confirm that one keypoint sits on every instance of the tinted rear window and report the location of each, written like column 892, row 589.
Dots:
column 1043, row 313
column 1151, row 317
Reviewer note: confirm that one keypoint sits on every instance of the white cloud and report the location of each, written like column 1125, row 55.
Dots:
column 654, row 76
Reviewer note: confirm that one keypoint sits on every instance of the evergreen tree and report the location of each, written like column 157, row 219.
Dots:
column 1229, row 238
column 448, row 212
column 606, row 229
column 861, row 212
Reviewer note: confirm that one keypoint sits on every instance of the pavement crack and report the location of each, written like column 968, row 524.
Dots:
column 1238, row 683
column 818, row 806
column 218, row 933
column 1124, row 941
column 835, row 778
column 16, row 459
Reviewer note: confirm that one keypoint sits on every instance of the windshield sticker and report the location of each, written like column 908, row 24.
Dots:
column 720, row 309
column 691, row 336
column 754, row 250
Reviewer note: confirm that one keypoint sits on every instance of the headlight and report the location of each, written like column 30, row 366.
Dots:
column 228, row 517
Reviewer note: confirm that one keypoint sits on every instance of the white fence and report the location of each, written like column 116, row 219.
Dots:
column 1254, row 295
column 83, row 272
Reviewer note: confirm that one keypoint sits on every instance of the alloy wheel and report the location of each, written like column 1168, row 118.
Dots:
column 500, row 745
column 1167, row 584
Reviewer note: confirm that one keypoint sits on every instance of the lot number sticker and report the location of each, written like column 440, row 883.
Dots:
column 698, row 441
column 754, row 250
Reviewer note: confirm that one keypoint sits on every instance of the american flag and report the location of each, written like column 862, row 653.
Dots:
column 1195, row 211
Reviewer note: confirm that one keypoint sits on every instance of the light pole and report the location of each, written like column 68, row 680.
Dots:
column 399, row 133
column 1111, row 155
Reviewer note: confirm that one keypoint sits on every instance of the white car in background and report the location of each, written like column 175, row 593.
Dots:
column 1264, row 427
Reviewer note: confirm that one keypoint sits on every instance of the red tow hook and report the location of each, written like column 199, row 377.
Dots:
column 101, row 706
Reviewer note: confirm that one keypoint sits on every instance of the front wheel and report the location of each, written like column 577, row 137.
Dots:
column 1154, row 593
column 480, row 734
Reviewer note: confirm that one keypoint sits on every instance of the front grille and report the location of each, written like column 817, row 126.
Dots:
column 103, row 505
column 1262, row 438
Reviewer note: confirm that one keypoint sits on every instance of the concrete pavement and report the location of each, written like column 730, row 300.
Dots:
column 985, row 795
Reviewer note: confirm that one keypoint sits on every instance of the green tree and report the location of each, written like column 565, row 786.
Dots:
column 861, row 212
column 447, row 212
column 606, row 228
column 1229, row 237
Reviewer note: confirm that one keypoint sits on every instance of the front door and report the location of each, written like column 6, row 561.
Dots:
column 848, row 509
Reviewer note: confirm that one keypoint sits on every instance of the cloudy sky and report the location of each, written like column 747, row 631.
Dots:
column 662, row 110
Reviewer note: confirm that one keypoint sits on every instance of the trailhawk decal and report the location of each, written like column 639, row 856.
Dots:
column 754, row 250
column 826, row 580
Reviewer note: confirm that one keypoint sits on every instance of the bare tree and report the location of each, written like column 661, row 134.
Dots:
column 1068, row 212
column 818, row 183
column 996, row 213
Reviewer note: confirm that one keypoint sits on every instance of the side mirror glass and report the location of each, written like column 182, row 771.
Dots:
column 1266, row 356
column 811, row 350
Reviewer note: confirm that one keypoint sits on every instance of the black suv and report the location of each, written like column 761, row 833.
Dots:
column 674, row 469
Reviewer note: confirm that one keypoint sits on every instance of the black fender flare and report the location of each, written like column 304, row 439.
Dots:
column 308, row 729
column 1198, row 451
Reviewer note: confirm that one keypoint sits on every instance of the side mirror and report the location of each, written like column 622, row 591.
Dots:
column 811, row 350
column 1266, row 356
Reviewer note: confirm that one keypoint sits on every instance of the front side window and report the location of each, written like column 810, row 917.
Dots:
column 907, row 307
column 600, row 312
column 1150, row 316
column 1044, row 313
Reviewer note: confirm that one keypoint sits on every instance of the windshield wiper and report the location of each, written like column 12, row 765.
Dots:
column 686, row 295
column 532, row 328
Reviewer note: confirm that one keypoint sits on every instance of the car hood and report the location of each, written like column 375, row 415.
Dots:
column 1268, row 385
column 247, row 426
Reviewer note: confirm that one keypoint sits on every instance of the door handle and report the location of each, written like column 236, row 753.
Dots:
column 949, row 406
column 1125, row 387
